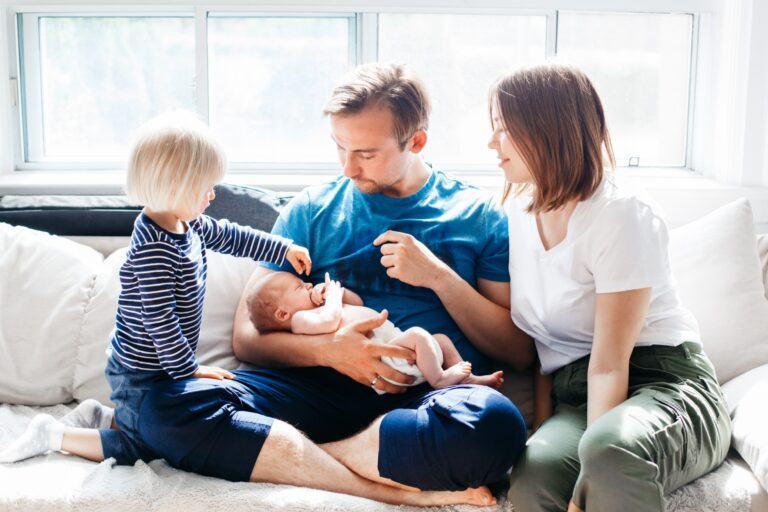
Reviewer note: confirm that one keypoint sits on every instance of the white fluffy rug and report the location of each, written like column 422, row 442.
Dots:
column 65, row 483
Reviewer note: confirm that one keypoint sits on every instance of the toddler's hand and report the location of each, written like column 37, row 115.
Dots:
column 299, row 259
column 213, row 372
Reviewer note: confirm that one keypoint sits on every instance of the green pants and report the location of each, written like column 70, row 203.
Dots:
column 673, row 428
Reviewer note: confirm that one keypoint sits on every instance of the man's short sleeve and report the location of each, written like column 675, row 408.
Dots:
column 493, row 263
column 293, row 223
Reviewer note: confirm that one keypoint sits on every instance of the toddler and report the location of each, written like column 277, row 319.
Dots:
column 282, row 302
column 173, row 168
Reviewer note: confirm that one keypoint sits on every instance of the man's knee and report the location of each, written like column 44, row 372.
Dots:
column 495, row 439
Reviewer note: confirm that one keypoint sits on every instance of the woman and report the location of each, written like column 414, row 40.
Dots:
column 637, row 408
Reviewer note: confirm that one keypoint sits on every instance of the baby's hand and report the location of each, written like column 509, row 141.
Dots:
column 317, row 295
column 213, row 372
column 299, row 259
column 333, row 290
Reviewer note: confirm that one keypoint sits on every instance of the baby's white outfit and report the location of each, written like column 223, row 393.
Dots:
column 385, row 334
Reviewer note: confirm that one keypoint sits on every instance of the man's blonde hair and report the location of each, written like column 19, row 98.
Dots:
column 173, row 161
column 389, row 85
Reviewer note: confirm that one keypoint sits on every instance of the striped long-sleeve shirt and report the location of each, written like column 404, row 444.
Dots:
column 159, row 310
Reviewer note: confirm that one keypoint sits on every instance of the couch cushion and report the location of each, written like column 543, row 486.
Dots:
column 715, row 262
column 746, row 400
column 45, row 282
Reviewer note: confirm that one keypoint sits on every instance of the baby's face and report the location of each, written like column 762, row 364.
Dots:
column 296, row 295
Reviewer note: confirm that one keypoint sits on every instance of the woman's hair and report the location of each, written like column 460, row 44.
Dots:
column 554, row 117
column 174, row 159
column 388, row 85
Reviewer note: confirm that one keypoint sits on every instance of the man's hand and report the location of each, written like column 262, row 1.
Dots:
column 213, row 372
column 409, row 260
column 354, row 355
column 299, row 259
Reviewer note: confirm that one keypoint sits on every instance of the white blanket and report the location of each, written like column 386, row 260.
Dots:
column 58, row 482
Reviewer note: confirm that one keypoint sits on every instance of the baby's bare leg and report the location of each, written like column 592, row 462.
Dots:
column 452, row 358
column 427, row 359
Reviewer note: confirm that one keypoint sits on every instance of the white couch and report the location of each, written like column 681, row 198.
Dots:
column 57, row 305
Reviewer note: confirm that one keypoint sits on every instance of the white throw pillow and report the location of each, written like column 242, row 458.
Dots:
column 716, row 265
column 90, row 381
column 227, row 277
column 746, row 399
column 45, row 282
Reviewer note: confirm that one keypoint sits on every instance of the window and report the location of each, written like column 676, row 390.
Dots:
column 88, row 80
column 640, row 65
column 91, row 80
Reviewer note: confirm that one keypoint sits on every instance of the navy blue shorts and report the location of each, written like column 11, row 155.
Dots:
column 447, row 439
column 129, row 387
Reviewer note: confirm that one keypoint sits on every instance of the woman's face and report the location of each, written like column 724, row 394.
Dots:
column 510, row 160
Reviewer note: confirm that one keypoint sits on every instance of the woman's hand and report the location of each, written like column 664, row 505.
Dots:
column 212, row 372
column 409, row 260
column 299, row 259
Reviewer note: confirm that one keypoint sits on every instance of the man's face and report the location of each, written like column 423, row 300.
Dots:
column 369, row 152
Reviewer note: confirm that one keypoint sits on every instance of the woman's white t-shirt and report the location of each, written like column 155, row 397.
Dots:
column 615, row 242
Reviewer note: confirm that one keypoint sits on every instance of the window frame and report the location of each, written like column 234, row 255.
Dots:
column 365, row 45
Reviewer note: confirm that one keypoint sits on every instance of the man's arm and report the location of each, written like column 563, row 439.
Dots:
column 482, row 315
column 347, row 351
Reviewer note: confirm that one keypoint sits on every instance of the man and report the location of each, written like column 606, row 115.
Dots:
column 430, row 250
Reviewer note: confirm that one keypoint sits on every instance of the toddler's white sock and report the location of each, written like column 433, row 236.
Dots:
column 89, row 414
column 43, row 433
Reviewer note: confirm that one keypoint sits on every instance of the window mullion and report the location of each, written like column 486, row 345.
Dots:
column 201, row 64
column 551, row 46
column 368, row 37
column 32, row 112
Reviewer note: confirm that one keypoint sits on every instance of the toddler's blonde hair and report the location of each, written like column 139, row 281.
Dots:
column 174, row 159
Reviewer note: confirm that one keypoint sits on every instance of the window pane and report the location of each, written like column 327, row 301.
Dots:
column 640, row 65
column 269, row 80
column 459, row 57
column 102, row 77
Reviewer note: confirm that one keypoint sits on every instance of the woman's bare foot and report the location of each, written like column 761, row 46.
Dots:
column 494, row 380
column 478, row 496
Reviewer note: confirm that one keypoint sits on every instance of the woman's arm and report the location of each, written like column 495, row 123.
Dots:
column 619, row 317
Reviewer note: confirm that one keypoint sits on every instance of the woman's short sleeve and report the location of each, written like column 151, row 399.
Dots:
column 630, row 247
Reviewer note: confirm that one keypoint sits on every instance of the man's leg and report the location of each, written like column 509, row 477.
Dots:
column 209, row 427
column 455, row 438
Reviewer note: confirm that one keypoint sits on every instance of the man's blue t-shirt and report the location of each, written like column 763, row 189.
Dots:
column 460, row 224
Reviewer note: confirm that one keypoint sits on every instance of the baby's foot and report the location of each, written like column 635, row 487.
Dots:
column 454, row 375
column 89, row 414
column 494, row 380
column 43, row 433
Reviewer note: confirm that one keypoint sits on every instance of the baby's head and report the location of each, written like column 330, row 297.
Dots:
column 174, row 164
column 275, row 298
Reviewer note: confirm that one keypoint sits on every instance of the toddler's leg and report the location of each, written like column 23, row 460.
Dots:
column 420, row 341
column 90, row 414
column 45, row 434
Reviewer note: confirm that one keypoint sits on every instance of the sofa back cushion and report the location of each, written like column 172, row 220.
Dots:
column 45, row 284
column 715, row 261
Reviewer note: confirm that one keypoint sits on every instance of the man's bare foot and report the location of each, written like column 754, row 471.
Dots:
column 494, row 380
column 456, row 374
column 478, row 496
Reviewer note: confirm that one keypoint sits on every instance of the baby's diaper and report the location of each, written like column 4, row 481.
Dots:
column 385, row 334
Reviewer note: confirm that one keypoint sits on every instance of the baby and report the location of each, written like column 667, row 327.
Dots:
column 283, row 302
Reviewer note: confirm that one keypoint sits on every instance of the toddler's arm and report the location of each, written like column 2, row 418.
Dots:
column 229, row 238
column 322, row 319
